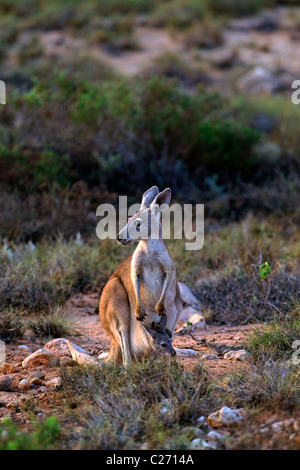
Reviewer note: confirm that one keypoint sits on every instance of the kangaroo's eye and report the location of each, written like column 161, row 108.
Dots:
column 163, row 345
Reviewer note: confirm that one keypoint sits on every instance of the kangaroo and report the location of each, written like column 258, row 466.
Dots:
column 143, row 288
column 160, row 339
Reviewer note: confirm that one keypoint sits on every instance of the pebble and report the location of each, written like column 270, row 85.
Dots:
column 24, row 385
column 39, row 374
column 8, row 369
column 53, row 384
column 6, row 383
column 240, row 355
column 24, row 348
column 210, row 357
column 13, row 405
column 225, row 417
column 67, row 361
column 36, row 381
column 186, row 352
column 41, row 356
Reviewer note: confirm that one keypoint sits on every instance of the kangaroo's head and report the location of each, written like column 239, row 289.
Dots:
column 160, row 337
column 145, row 223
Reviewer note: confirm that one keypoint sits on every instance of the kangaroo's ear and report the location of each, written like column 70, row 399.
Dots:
column 149, row 330
column 148, row 197
column 169, row 333
column 161, row 201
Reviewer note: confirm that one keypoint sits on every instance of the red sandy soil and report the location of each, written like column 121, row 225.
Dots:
column 83, row 311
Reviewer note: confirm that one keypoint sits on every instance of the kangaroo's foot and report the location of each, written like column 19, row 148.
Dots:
column 160, row 309
column 140, row 313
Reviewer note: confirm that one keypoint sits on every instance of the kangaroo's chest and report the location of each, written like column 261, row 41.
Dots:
column 152, row 278
column 151, row 270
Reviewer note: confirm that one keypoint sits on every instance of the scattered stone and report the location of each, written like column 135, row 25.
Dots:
column 15, row 382
column 37, row 374
column 215, row 436
column 24, row 348
column 8, row 369
column 201, row 420
column 186, row 352
column 66, row 361
column 225, row 417
column 24, row 385
column 210, row 357
column 41, row 357
column 5, row 383
column 257, row 80
column 12, row 405
column 285, row 424
column 36, row 381
column 187, row 295
column 192, row 431
column 199, row 444
column 59, row 347
column 240, row 355
column 53, row 384
column 103, row 355
column 80, row 357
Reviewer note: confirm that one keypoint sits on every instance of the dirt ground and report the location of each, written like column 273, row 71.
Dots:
column 83, row 311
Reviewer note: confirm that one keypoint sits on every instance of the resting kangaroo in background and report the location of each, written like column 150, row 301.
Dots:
column 143, row 287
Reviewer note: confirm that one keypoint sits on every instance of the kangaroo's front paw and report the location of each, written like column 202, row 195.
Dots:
column 160, row 309
column 140, row 314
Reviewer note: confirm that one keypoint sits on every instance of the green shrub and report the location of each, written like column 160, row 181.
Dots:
column 51, row 325
column 44, row 435
column 151, row 124
column 274, row 341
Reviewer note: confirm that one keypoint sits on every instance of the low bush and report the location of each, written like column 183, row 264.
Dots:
column 143, row 123
column 42, row 437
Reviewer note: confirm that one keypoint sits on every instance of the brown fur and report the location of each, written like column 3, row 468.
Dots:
column 135, row 292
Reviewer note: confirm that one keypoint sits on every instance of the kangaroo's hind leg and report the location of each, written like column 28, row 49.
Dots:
column 115, row 318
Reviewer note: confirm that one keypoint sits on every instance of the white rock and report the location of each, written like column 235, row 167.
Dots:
column 201, row 420
column 280, row 425
column 103, row 355
column 240, row 355
column 257, row 80
column 82, row 358
column 210, row 357
column 225, row 417
column 186, row 352
column 199, row 444
column 24, row 348
column 41, row 356
column 187, row 295
column 215, row 436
